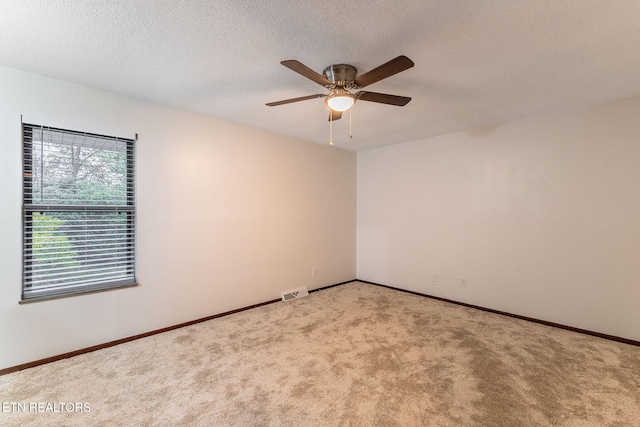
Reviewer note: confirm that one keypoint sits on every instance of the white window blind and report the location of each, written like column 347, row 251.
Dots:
column 78, row 212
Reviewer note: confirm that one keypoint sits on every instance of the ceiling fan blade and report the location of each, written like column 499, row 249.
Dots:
column 383, row 98
column 300, row 68
column 388, row 69
column 302, row 98
column 337, row 115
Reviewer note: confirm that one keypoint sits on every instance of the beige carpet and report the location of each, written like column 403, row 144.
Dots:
column 353, row 355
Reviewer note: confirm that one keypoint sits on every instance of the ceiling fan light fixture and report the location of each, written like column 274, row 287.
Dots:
column 341, row 101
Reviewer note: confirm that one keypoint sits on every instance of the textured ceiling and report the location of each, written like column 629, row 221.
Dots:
column 477, row 62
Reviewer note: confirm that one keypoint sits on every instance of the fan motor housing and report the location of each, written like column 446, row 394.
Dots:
column 340, row 74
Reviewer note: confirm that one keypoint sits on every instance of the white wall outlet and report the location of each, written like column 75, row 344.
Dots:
column 434, row 277
column 463, row 282
column 314, row 272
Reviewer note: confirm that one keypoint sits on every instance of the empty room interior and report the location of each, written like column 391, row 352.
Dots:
column 320, row 213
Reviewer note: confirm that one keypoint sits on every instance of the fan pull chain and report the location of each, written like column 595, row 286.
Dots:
column 330, row 127
column 350, row 133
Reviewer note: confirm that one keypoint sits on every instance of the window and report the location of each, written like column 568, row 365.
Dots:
column 78, row 212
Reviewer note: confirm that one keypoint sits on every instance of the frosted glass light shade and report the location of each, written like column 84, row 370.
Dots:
column 340, row 102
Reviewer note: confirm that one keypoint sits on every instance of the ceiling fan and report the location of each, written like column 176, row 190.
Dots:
column 341, row 79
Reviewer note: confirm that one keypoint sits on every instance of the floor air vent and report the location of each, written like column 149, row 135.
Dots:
column 296, row 293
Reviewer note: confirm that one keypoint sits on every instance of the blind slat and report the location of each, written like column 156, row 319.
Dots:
column 76, row 274
column 77, row 280
column 72, row 265
column 98, row 251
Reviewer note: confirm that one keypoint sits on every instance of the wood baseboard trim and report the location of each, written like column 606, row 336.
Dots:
column 124, row 340
column 35, row 363
column 517, row 316
column 332, row 286
column 44, row 361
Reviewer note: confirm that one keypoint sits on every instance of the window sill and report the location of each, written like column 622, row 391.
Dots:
column 76, row 294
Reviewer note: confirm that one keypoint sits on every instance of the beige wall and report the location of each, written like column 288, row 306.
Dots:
column 228, row 216
column 541, row 216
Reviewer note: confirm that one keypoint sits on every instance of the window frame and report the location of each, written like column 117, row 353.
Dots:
column 29, row 293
